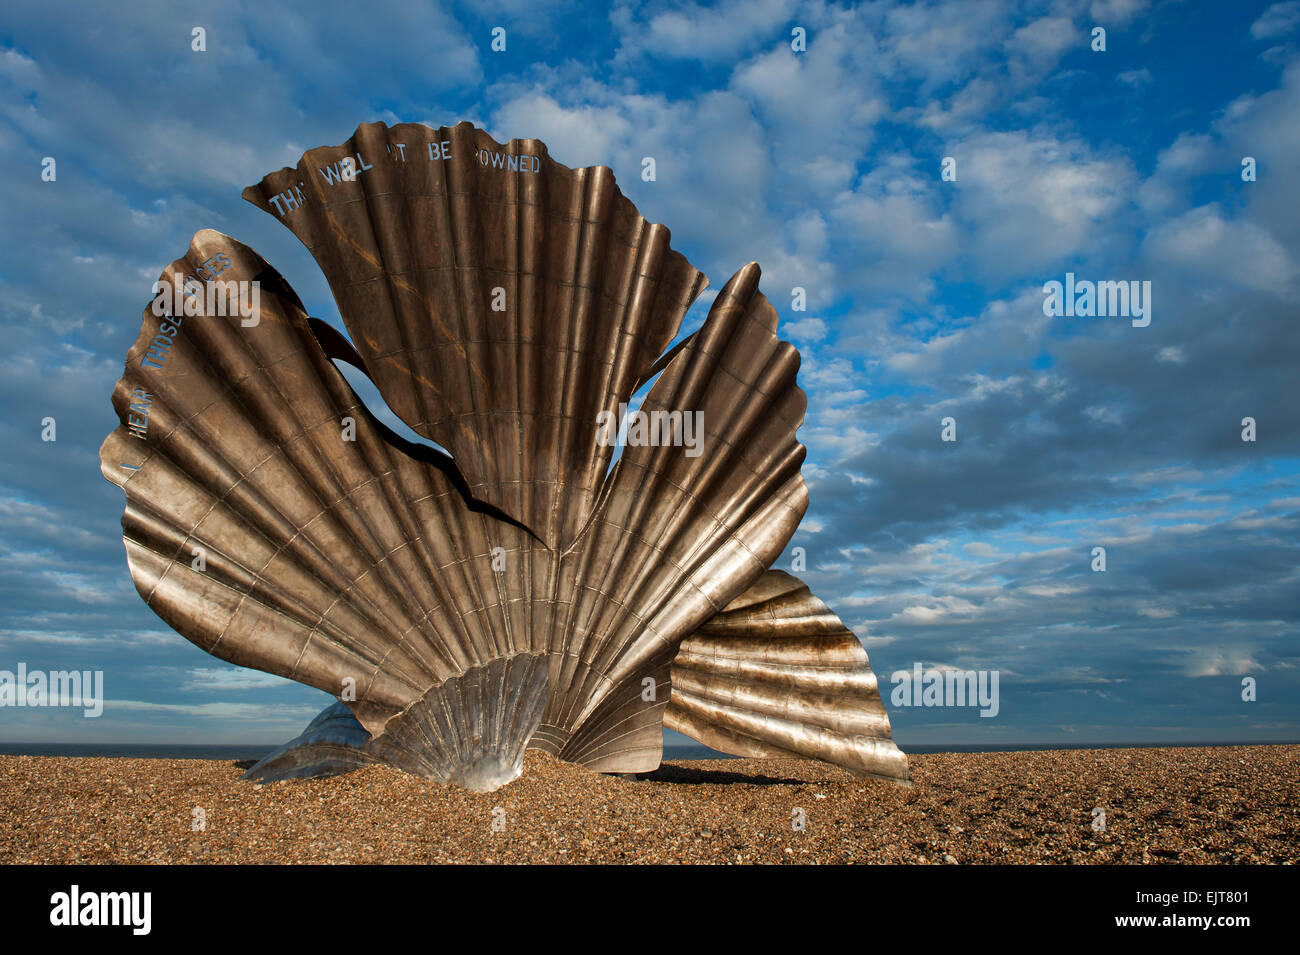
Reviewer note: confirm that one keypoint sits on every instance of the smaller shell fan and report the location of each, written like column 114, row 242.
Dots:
column 471, row 730
column 778, row 674
column 333, row 743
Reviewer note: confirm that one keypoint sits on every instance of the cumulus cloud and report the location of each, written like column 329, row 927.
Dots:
column 1033, row 201
column 1278, row 20
column 694, row 31
column 1203, row 242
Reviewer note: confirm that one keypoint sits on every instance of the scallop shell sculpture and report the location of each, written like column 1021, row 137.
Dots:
column 515, row 591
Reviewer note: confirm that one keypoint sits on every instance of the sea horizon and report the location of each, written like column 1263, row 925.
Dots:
column 255, row 751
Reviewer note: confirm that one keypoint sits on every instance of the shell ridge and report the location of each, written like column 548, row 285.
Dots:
column 757, row 683
column 686, row 374
column 612, row 232
column 336, row 501
column 199, row 359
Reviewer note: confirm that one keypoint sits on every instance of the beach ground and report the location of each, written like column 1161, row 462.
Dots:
column 1224, row 804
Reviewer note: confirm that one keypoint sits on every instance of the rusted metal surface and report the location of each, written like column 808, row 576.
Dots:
column 504, row 312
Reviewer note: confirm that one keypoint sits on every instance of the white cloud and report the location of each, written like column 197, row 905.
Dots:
column 238, row 713
column 1103, row 415
column 209, row 678
column 1135, row 78
column 1213, row 661
column 583, row 135
column 965, row 107
column 1202, row 242
column 1032, row 201
column 1157, row 613
column 805, row 329
column 1042, row 41
column 692, row 31
column 1278, row 20
column 941, row 43
column 1117, row 11
column 893, row 225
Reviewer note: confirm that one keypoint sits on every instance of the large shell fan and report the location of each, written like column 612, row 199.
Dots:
column 499, row 299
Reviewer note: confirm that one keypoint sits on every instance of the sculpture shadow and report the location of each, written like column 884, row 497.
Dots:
column 667, row 773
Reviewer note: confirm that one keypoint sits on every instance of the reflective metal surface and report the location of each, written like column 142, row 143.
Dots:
column 778, row 674
column 519, row 592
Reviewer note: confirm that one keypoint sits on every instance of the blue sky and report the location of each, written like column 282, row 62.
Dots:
column 924, row 302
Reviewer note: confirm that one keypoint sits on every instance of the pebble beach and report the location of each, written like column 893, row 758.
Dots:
column 1226, row 804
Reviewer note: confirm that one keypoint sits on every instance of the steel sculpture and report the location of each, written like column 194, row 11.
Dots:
column 514, row 590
